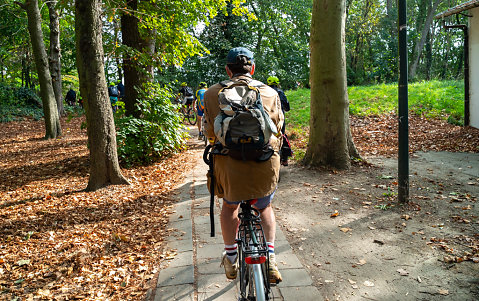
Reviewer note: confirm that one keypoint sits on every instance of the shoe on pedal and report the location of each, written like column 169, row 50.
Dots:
column 231, row 269
column 273, row 272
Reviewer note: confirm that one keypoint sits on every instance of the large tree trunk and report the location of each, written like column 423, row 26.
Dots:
column 117, row 56
column 52, row 120
column 55, row 55
column 330, row 135
column 104, row 167
column 134, row 78
column 422, row 41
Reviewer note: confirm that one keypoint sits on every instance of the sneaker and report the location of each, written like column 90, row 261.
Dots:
column 231, row 269
column 274, row 274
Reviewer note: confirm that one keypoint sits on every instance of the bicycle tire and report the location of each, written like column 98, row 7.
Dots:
column 244, row 274
column 191, row 115
column 260, row 289
column 254, row 283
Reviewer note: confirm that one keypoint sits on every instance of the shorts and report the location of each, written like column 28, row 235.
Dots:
column 200, row 111
column 260, row 204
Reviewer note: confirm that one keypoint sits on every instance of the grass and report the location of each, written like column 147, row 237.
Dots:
column 433, row 99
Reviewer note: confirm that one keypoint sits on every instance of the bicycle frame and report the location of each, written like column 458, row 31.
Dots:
column 253, row 255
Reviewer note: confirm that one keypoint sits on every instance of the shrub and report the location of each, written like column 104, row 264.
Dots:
column 156, row 134
column 16, row 103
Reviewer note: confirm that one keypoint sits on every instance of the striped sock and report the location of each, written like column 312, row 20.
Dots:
column 231, row 252
column 270, row 247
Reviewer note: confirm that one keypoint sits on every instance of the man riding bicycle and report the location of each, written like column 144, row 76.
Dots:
column 200, row 106
column 185, row 95
column 237, row 180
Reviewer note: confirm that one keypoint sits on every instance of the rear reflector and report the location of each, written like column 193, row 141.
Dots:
column 255, row 260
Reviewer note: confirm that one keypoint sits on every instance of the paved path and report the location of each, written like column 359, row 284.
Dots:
column 195, row 273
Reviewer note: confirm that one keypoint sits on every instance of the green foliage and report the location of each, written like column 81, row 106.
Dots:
column 278, row 35
column 430, row 99
column 300, row 107
column 158, row 132
column 441, row 99
column 16, row 103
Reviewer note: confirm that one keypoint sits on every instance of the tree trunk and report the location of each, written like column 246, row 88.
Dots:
column 52, row 120
column 330, row 136
column 422, row 41
column 104, row 167
column 55, row 55
column 134, row 78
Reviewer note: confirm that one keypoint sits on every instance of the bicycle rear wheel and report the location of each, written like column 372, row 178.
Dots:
column 191, row 115
column 254, row 283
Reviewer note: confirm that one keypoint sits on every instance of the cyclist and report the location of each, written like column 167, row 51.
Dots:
column 113, row 93
column 186, row 95
column 71, row 97
column 273, row 82
column 238, row 180
column 200, row 106
column 121, row 90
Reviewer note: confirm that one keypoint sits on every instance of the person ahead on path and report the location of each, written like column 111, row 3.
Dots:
column 200, row 106
column 273, row 82
column 286, row 152
column 239, row 179
column 71, row 96
column 186, row 95
column 121, row 90
column 113, row 93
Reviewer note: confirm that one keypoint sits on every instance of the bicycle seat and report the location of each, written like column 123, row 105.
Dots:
column 251, row 202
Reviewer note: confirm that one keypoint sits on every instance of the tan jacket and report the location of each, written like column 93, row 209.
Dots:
column 238, row 180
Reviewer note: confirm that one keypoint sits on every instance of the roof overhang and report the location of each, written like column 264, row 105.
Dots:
column 457, row 9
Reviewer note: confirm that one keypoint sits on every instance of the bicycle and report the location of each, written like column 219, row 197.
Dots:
column 252, row 248
column 252, row 255
column 189, row 114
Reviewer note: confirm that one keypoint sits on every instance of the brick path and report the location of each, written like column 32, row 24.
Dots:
column 195, row 273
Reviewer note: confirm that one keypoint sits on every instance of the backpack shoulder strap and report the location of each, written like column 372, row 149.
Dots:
column 226, row 83
column 255, row 83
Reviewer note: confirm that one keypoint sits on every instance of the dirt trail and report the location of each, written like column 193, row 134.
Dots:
column 357, row 244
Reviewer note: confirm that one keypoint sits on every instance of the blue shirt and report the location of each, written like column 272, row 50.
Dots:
column 200, row 96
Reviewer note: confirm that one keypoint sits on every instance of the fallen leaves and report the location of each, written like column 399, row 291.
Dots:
column 334, row 214
column 61, row 242
column 424, row 135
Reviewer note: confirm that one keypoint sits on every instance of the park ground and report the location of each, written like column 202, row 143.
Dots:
column 346, row 227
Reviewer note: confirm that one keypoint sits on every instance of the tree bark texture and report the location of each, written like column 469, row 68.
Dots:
column 104, row 167
column 50, row 111
column 329, row 122
column 420, row 45
column 134, row 77
column 55, row 55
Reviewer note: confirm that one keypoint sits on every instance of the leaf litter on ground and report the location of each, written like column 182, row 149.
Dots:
column 61, row 242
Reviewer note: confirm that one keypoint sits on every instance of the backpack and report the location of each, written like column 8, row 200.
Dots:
column 71, row 95
column 188, row 91
column 284, row 101
column 242, row 126
column 113, row 91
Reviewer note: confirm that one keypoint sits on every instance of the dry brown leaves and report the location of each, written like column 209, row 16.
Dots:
column 60, row 243
column 378, row 136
